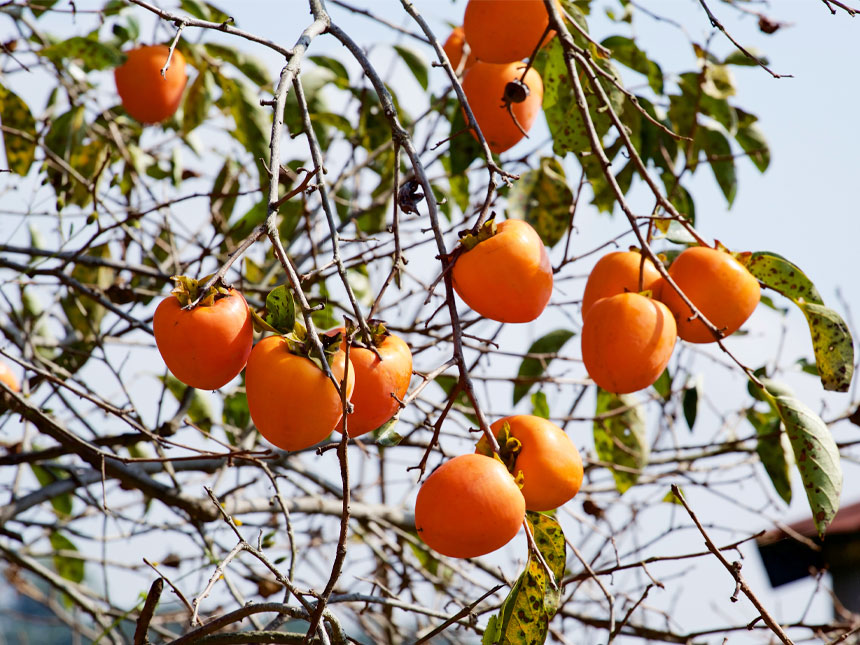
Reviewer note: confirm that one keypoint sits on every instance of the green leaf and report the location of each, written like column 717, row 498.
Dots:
column 199, row 411
column 524, row 616
column 14, row 113
column 458, row 185
column 533, row 368
column 253, row 68
column 779, row 274
column 281, row 309
column 235, row 410
column 38, row 7
column 719, row 154
column 222, row 199
column 540, row 408
column 739, row 58
column 253, row 127
column 663, row 385
column 67, row 567
column 83, row 313
column 833, row 346
column 562, row 115
column 46, row 475
column 831, row 339
column 670, row 498
column 753, row 142
column 543, row 199
column 93, row 54
column 447, row 383
column 416, row 64
column 463, row 148
column 816, row 456
column 690, row 404
column 772, row 450
column 626, row 52
column 340, row 72
column 204, row 11
column 621, row 439
column 197, row 100
column 386, row 435
column 719, row 81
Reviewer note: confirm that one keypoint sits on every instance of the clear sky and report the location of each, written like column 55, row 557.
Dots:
column 804, row 207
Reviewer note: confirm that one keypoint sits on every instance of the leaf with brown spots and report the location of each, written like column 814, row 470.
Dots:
column 833, row 346
column 817, row 458
column 20, row 148
column 831, row 340
column 524, row 616
column 777, row 273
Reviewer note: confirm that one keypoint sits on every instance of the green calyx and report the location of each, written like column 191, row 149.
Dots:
column 279, row 317
column 470, row 240
column 187, row 290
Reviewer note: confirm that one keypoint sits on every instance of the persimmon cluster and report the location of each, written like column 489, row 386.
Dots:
column 632, row 316
column 504, row 93
column 292, row 402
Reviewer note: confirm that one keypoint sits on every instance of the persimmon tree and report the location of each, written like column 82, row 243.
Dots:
column 333, row 189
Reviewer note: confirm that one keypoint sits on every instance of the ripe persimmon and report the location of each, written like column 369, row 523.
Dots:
column 378, row 382
column 627, row 341
column 504, row 31
column 205, row 347
column 484, row 85
column 292, row 402
column 454, row 50
column 617, row 272
column 505, row 275
column 8, row 377
column 146, row 95
column 469, row 506
column 549, row 461
column 720, row 287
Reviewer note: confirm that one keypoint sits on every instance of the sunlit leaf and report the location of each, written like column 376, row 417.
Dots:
column 524, row 616
column 540, row 407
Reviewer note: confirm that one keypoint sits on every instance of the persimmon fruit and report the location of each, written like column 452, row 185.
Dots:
column 615, row 273
column 504, row 31
column 720, row 287
column 205, row 347
column 145, row 94
column 549, row 461
column 378, row 380
column 627, row 341
column 454, row 46
column 469, row 506
column 8, row 377
column 506, row 277
column 292, row 402
column 484, row 85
